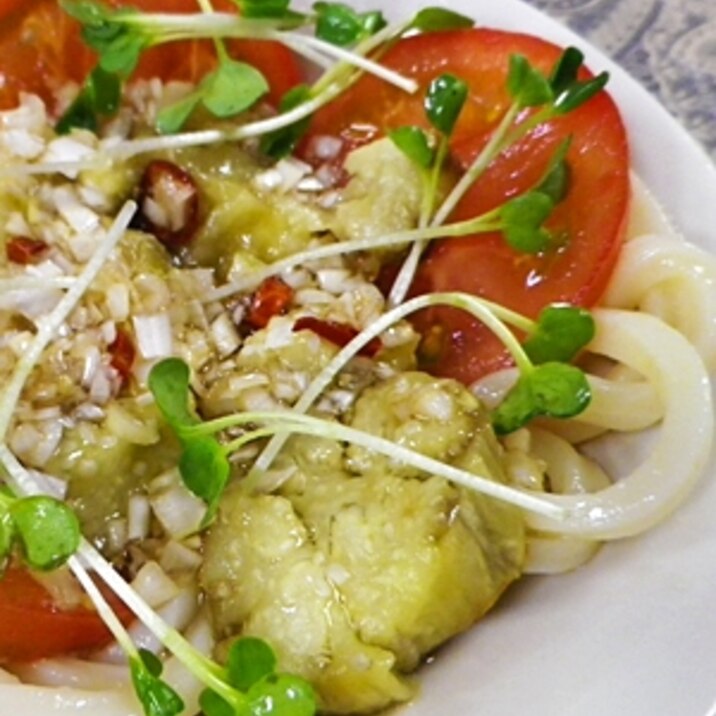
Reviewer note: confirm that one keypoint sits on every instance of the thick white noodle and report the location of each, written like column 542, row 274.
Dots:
column 47, row 700
column 557, row 554
column 673, row 280
column 663, row 480
column 569, row 472
column 74, row 673
column 604, row 412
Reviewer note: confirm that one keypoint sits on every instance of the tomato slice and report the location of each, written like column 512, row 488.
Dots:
column 33, row 627
column 41, row 50
column 591, row 219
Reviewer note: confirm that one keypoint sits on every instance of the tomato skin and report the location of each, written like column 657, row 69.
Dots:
column 592, row 217
column 32, row 627
column 41, row 51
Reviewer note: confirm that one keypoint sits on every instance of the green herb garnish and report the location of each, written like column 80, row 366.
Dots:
column 156, row 696
column 561, row 332
column 556, row 390
column 99, row 97
column 283, row 141
column 341, row 25
column 438, row 19
column 46, row 530
column 204, row 466
column 415, row 143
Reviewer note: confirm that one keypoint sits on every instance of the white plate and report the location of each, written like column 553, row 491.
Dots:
column 634, row 632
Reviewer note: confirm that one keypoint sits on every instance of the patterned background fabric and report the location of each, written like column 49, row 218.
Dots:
column 667, row 45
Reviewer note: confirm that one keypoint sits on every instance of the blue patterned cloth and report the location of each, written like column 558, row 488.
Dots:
column 667, row 45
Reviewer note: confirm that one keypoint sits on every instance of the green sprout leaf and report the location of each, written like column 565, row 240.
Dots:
column 203, row 464
column 569, row 92
column 86, row 12
column 232, row 88
column 527, row 86
column 156, row 696
column 555, row 390
column 205, row 470
column 444, row 101
column 172, row 118
column 47, row 529
column 415, row 144
column 341, row 25
column 555, row 182
column 7, row 538
column 562, row 331
column 249, row 661
column 100, row 96
column 438, row 19
column 282, row 142
column 272, row 9
column 251, row 671
column 565, row 70
column 580, row 93
column 213, row 705
column 118, row 43
column 522, row 219
column 151, row 662
column 169, row 383
column 120, row 55
column 282, row 695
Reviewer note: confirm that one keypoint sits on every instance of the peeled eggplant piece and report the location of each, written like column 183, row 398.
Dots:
column 361, row 565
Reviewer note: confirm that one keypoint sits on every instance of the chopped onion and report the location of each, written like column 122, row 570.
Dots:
column 22, row 144
column 154, row 585
column 154, row 335
column 177, row 613
column 139, row 514
column 117, row 298
column 177, row 557
column 80, row 217
column 292, row 171
column 325, row 146
column 67, row 150
column 178, row 510
column 226, row 337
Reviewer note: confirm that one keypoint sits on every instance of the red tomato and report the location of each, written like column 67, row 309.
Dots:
column 9, row 6
column 32, row 627
column 591, row 218
column 41, row 50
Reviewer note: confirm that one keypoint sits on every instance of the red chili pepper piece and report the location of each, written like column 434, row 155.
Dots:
column 168, row 204
column 339, row 334
column 122, row 352
column 24, row 250
column 272, row 298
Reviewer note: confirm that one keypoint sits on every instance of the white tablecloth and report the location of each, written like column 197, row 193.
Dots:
column 668, row 45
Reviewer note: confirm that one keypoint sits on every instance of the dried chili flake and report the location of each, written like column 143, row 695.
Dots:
column 340, row 334
column 272, row 298
column 24, row 250
column 168, row 204
column 122, row 354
